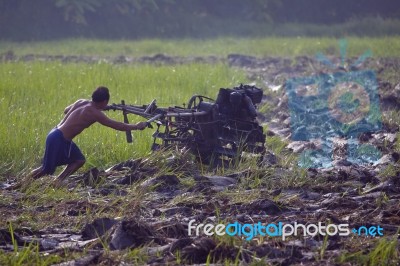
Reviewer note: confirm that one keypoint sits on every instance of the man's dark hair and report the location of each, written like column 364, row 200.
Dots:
column 100, row 94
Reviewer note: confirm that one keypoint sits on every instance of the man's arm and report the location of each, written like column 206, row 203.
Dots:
column 104, row 120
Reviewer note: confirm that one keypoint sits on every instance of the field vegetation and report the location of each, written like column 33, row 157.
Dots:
column 220, row 47
column 33, row 95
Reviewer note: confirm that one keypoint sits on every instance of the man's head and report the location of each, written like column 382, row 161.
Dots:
column 101, row 96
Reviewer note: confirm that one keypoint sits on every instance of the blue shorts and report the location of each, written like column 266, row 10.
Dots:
column 59, row 151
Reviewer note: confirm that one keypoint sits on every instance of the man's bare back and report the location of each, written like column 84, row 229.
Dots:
column 78, row 116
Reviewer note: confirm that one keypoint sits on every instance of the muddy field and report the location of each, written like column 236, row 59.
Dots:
column 161, row 194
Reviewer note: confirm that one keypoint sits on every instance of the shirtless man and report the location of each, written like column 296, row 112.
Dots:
column 61, row 150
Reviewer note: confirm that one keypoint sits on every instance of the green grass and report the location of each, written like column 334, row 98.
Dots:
column 273, row 46
column 384, row 252
column 34, row 95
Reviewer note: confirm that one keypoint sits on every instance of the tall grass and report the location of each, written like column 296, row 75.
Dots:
column 34, row 95
column 271, row 46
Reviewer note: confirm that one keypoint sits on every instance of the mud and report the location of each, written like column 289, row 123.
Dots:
column 275, row 191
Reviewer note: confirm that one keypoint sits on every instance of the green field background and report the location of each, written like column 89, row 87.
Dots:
column 277, row 46
column 34, row 95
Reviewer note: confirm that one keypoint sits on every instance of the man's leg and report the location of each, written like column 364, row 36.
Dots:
column 37, row 173
column 70, row 169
